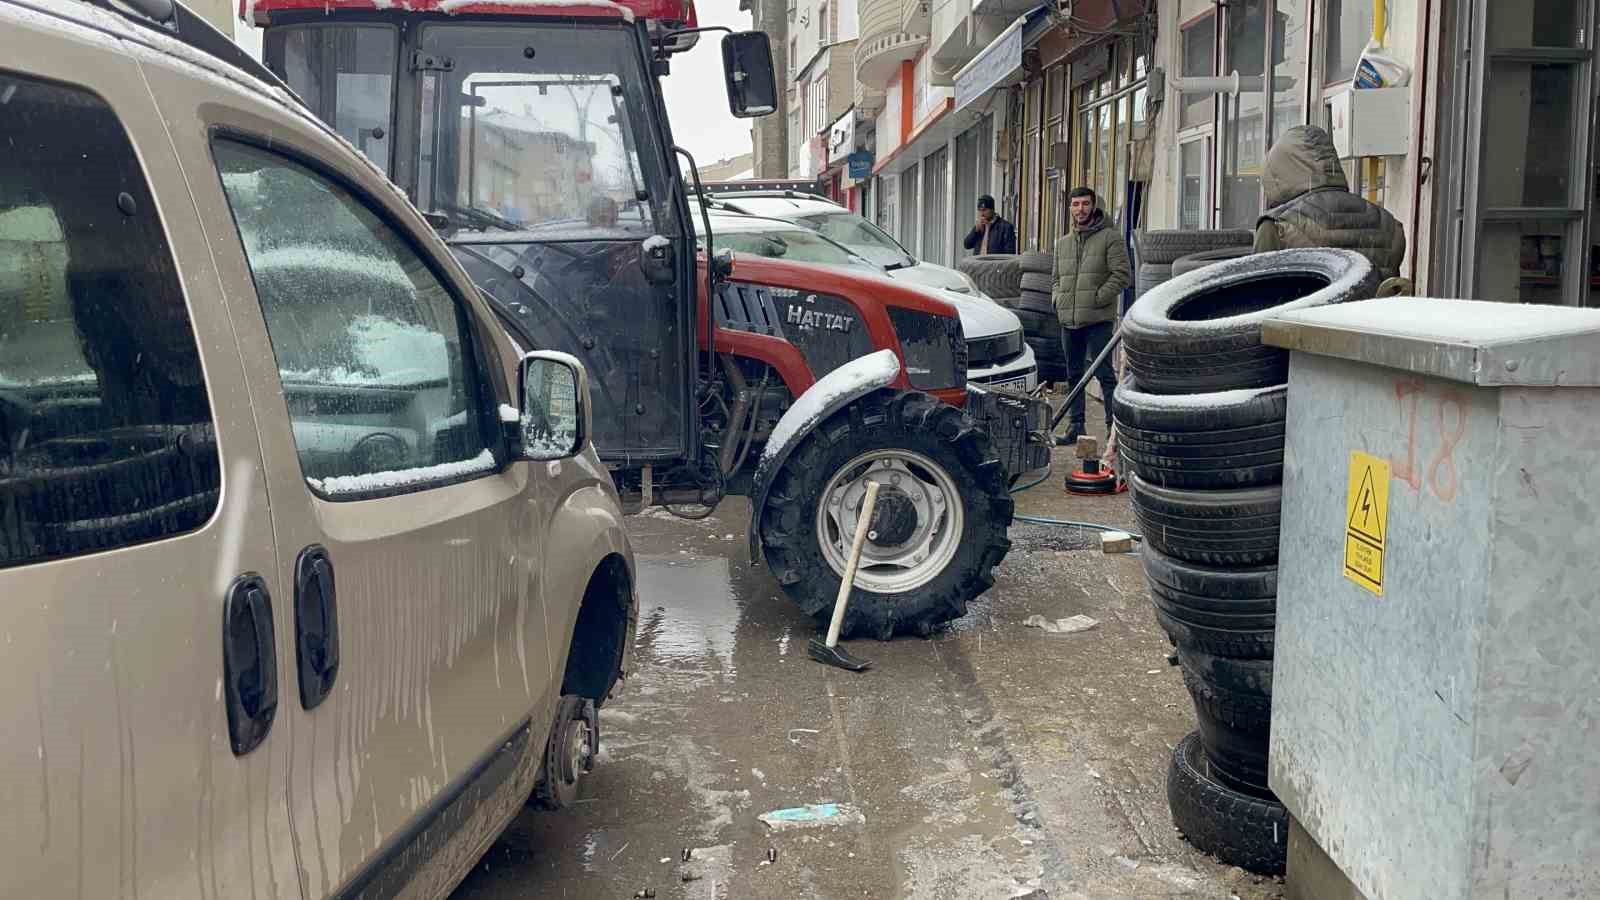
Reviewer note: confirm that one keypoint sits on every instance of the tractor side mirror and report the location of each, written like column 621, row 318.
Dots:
column 555, row 406
column 747, row 68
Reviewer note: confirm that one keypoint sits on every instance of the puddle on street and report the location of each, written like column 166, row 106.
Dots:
column 687, row 612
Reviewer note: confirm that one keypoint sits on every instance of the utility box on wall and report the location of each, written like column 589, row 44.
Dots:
column 1436, row 687
column 1374, row 122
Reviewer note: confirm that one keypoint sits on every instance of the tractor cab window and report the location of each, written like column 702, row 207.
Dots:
column 345, row 75
column 536, row 129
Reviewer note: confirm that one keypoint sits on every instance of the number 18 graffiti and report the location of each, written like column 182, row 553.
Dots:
column 1452, row 427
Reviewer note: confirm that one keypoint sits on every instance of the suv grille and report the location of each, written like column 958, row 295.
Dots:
column 993, row 351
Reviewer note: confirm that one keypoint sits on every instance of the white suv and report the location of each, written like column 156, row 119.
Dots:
column 997, row 353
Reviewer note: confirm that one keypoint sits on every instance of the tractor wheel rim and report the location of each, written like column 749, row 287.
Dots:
column 912, row 563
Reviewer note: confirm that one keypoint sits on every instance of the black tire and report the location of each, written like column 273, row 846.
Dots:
column 1213, row 441
column 881, row 421
column 1185, row 264
column 1038, row 302
column 1164, row 247
column 1201, row 331
column 1037, row 261
column 1243, row 683
column 1234, row 733
column 996, row 274
column 1149, row 276
column 562, row 769
column 1011, row 303
column 1230, row 590
column 1238, row 829
column 1215, row 528
column 1038, row 282
column 1253, row 642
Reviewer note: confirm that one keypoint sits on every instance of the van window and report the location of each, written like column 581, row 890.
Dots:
column 106, row 437
column 373, row 351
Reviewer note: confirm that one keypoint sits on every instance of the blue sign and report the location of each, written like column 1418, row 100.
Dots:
column 860, row 164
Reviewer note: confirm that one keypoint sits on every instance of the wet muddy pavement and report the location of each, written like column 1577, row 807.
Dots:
column 994, row 760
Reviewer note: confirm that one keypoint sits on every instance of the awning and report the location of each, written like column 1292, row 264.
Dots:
column 1000, row 63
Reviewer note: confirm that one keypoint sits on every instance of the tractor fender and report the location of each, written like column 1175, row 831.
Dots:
column 833, row 392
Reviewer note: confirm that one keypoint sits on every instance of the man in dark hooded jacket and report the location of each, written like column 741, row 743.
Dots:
column 1309, row 204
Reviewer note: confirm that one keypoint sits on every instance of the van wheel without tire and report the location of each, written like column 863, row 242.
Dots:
column 1201, row 331
column 938, row 531
column 1216, row 528
column 569, row 754
column 1249, row 832
column 1222, row 440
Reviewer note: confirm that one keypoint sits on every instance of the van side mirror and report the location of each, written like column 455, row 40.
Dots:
column 747, row 68
column 555, row 406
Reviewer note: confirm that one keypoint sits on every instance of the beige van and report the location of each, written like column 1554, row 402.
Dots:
column 309, row 579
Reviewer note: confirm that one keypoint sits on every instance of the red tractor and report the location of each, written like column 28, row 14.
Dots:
column 534, row 135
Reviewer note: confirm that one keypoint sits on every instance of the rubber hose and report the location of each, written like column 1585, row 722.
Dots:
column 1062, row 523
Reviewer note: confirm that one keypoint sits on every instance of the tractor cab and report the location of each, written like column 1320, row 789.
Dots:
column 533, row 135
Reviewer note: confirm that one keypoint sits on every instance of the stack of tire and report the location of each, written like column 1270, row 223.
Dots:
column 1159, row 251
column 1200, row 426
column 1023, row 285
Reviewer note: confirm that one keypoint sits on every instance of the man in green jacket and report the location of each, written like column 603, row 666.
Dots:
column 1091, row 271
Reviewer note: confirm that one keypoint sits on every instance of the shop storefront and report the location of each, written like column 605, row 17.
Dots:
column 1083, row 119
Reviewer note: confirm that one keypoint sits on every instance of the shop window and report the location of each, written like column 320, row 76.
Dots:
column 1549, row 23
column 1194, row 177
column 1289, row 25
column 1345, row 33
column 1199, row 61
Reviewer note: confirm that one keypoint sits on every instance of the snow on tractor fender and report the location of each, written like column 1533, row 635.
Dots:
column 943, row 510
column 830, row 394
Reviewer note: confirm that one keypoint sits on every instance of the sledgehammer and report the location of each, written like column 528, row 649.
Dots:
column 828, row 651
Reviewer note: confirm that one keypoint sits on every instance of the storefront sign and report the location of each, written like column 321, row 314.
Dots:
column 991, row 67
column 861, row 164
column 842, row 139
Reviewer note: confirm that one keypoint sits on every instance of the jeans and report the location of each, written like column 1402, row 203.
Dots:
column 1081, row 346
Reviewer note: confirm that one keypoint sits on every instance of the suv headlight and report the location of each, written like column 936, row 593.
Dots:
column 934, row 347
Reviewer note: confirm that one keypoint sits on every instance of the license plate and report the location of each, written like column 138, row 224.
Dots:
column 1015, row 385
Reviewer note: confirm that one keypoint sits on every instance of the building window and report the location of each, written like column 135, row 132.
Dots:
column 1199, row 61
column 822, row 25
column 1194, row 184
column 1345, row 32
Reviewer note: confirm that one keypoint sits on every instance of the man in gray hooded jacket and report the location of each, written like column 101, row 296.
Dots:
column 1309, row 204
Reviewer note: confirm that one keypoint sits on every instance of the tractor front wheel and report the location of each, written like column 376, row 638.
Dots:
column 937, row 533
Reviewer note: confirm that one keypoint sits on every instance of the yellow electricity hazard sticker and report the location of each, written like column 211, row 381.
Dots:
column 1366, row 521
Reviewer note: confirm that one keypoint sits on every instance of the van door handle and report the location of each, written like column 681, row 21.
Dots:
column 249, row 662
column 316, row 625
